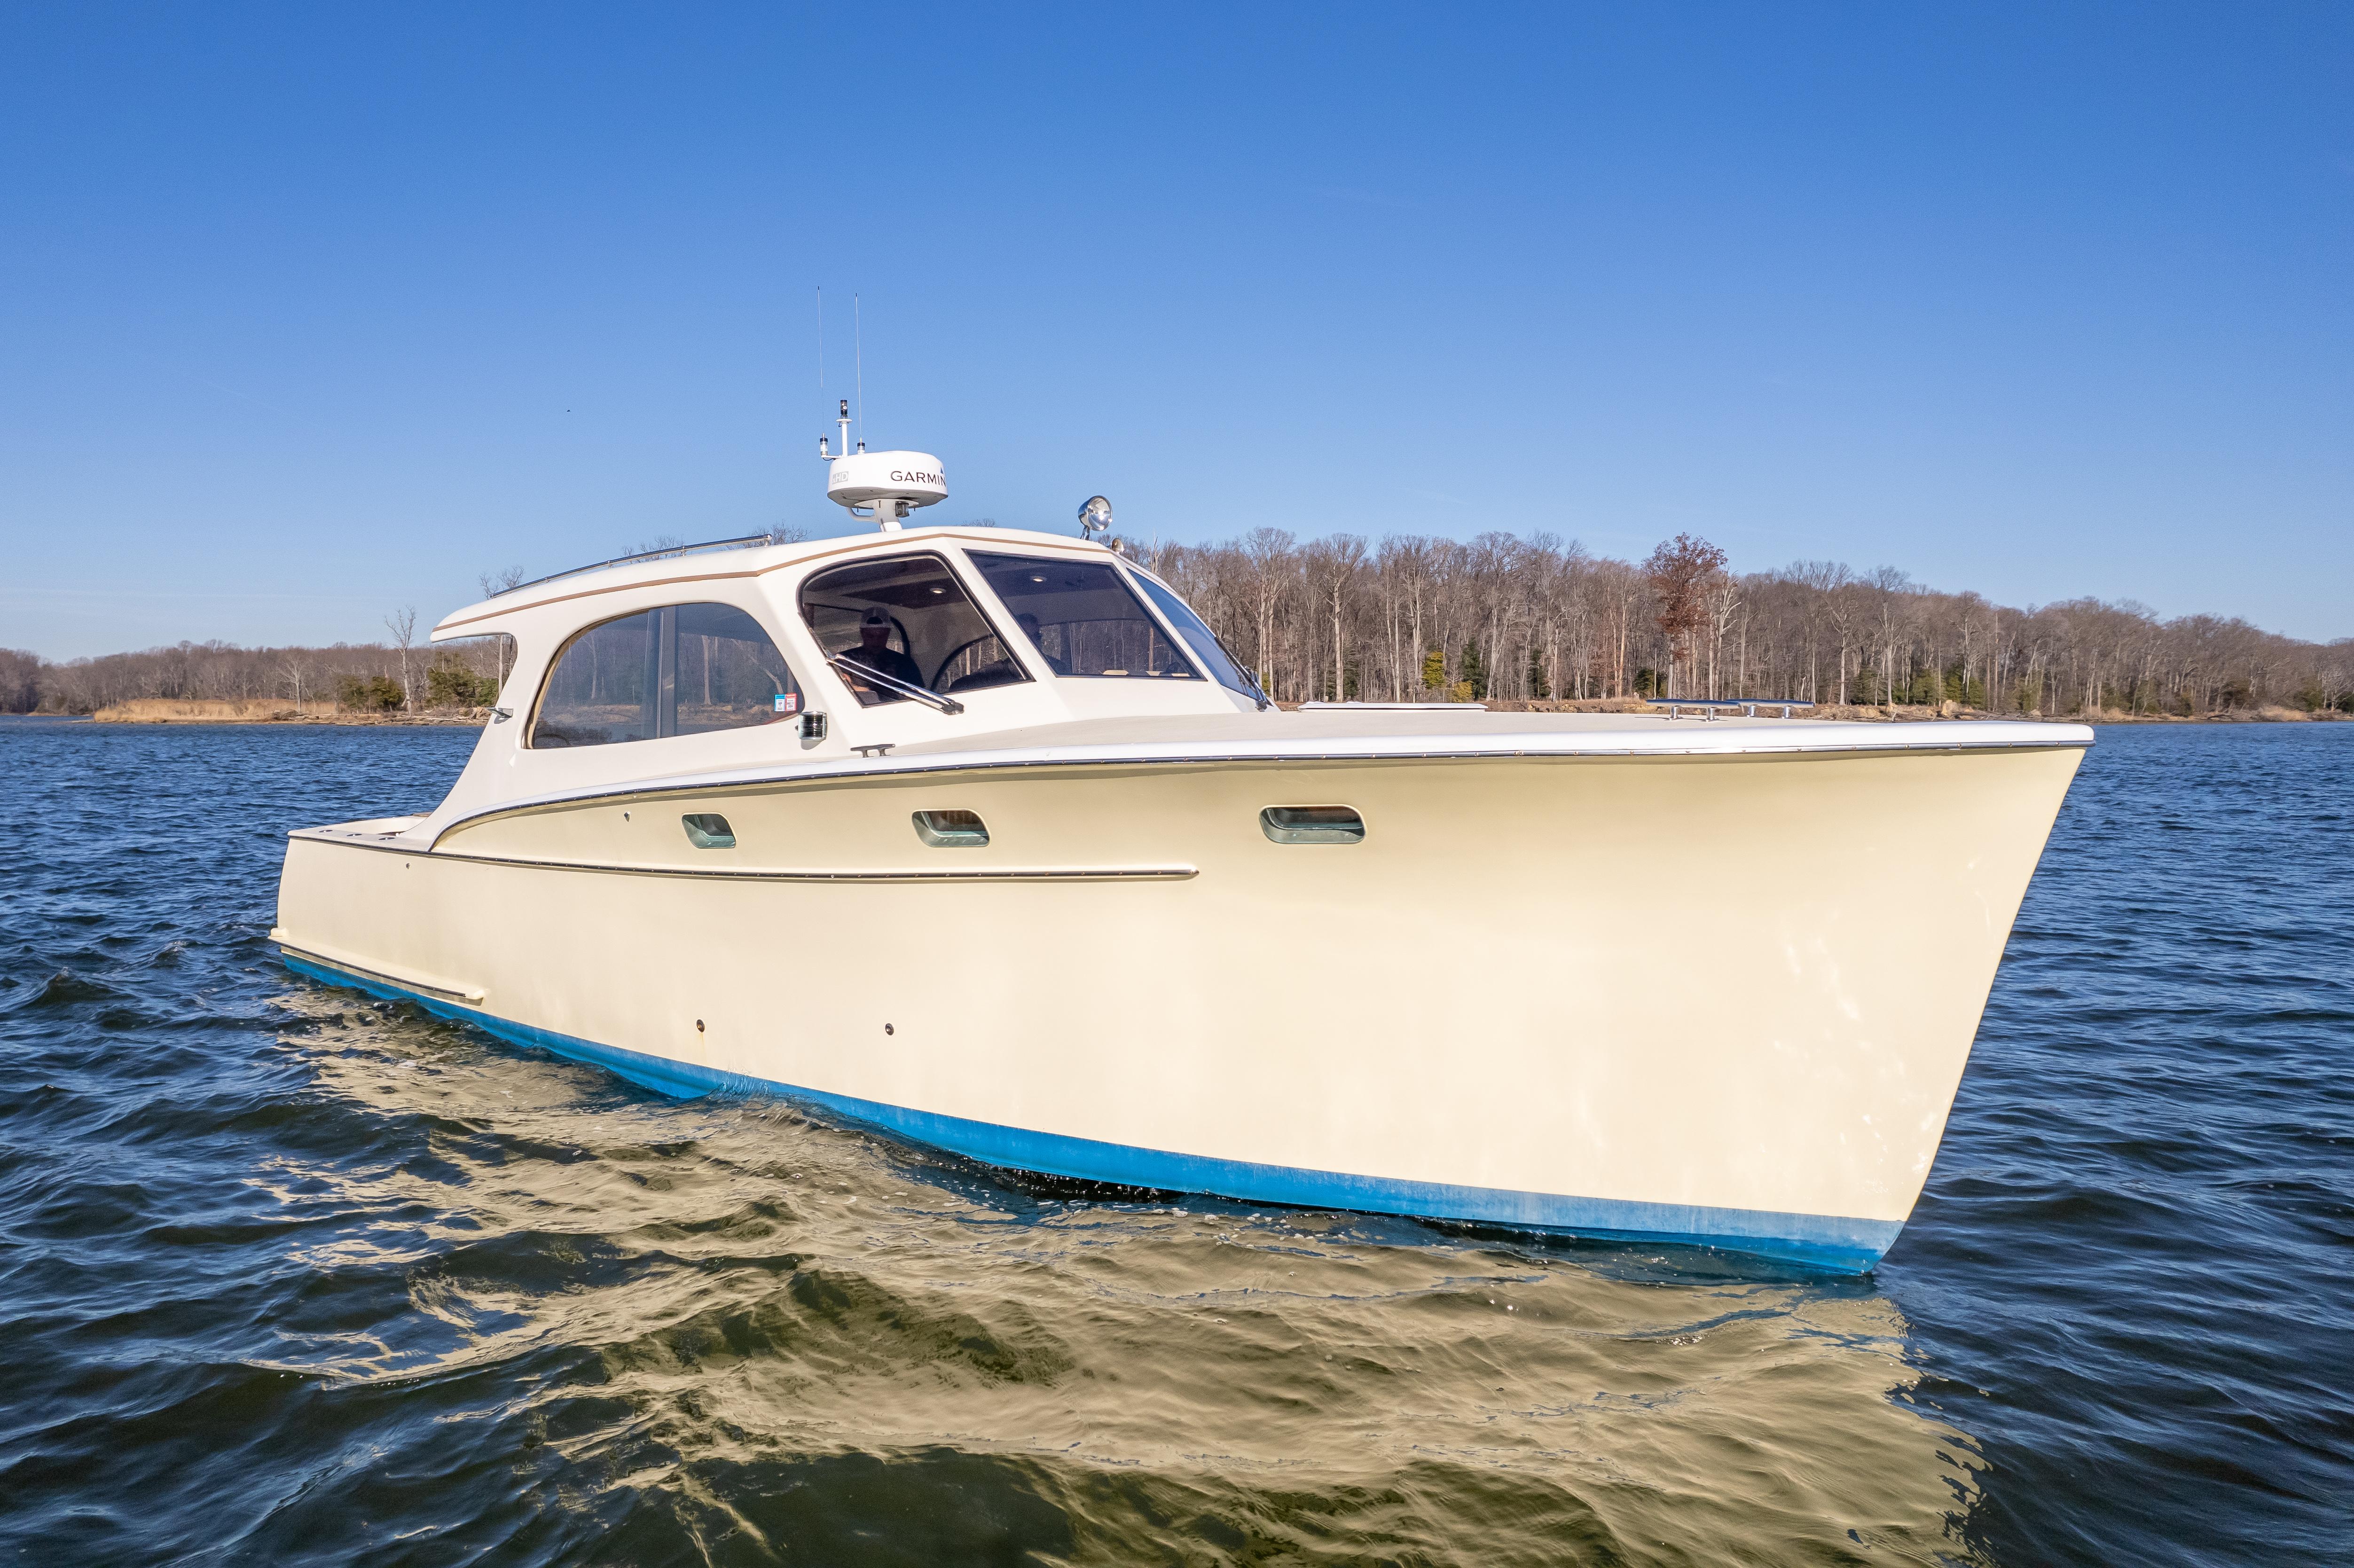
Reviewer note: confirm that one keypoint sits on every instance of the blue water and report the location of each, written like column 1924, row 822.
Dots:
column 290, row 1276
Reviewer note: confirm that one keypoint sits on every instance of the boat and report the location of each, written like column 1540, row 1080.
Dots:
column 979, row 837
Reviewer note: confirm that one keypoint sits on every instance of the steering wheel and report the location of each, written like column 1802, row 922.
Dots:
column 1000, row 673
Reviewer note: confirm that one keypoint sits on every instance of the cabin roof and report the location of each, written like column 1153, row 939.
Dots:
column 720, row 562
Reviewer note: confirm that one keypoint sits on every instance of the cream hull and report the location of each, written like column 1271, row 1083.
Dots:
column 1715, row 999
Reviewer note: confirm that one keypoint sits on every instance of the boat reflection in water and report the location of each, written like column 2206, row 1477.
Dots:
column 979, row 836
column 724, row 1318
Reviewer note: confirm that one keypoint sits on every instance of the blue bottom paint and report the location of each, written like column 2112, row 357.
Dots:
column 1812, row 1241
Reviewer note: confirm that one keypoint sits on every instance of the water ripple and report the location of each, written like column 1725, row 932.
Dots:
column 293, row 1276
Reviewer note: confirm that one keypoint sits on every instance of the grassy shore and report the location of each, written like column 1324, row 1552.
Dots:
column 162, row 710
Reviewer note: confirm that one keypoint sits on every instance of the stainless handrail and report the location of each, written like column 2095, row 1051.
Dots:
column 874, row 677
column 640, row 555
column 1708, row 705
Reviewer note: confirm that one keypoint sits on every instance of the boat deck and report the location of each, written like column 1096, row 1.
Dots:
column 1375, row 731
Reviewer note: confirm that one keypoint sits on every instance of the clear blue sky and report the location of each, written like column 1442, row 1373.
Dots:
column 306, row 312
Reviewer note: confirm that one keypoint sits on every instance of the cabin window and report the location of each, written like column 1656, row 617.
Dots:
column 952, row 830
column 1312, row 824
column 729, row 674
column 1084, row 618
column 910, row 618
column 685, row 669
column 708, row 830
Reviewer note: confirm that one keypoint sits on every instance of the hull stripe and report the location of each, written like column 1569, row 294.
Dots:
column 1825, row 1242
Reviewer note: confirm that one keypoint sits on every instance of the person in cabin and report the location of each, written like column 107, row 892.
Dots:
column 876, row 652
column 1033, row 631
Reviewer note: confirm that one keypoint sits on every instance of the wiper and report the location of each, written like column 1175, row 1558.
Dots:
column 874, row 677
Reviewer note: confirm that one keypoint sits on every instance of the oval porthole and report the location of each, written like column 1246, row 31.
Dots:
column 709, row 830
column 952, row 830
column 1312, row 824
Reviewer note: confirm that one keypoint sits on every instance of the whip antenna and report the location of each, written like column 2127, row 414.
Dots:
column 884, row 488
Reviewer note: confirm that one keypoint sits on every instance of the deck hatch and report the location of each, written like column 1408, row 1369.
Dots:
column 1312, row 824
column 952, row 830
column 708, row 830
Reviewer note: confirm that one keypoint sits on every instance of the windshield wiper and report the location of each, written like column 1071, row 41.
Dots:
column 874, row 677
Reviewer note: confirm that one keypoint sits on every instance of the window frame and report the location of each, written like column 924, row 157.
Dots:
column 984, row 604
column 665, row 661
column 1256, row 693
column 1118, row 566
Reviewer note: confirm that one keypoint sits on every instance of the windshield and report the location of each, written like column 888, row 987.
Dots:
column 908, row 619
column 1083, row 618
column 1201, row 640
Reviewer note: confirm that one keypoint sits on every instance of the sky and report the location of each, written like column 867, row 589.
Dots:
column 308, row 313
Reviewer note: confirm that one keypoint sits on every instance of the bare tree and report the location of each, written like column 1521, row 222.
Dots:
column 1270, row 552
column 1890, row 590
column 20, row 681
column 506, row 580
column 402, row 624
column 1549, row 621
column 1342, row 559
column 1623, row 590
column 1721, row 596
column 294, row 663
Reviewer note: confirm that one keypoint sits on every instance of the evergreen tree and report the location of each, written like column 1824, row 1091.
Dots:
column 1538, row 687
column 1434, row 670
column 1473, row 668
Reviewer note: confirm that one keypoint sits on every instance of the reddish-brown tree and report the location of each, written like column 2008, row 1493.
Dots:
column 1680, row 572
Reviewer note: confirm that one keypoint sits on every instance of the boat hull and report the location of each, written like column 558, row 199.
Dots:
column 1723, row 1001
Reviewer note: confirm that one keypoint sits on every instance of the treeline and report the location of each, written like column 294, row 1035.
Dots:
column 1502, row 617
column 353, row 677
column 1499, row 617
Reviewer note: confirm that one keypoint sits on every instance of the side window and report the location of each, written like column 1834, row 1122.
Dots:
column 1084, row 618
column 730, row 675
column 685, row 669
column 598, row 692
column 908, row 620
column 1201, row 640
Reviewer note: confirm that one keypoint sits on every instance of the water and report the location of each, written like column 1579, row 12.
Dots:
column 288, row 1277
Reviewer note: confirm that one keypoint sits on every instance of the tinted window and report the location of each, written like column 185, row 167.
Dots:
column 598, row 692
column 1312, row 824
column 730, row 676
column 684, row 669
column 926, row 629
column 1200, row 638
column 1083, row 618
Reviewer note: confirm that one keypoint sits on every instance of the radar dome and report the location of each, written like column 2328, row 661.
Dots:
column 863, row 479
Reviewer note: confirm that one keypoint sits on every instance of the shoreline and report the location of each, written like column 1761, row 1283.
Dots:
column 217, row 711
column 1950, row 713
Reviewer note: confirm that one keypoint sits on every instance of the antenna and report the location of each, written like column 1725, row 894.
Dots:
column 820, row 377
column 820, row 381
column 884, row 487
